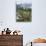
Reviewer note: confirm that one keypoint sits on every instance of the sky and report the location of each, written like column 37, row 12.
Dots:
column 23, row 1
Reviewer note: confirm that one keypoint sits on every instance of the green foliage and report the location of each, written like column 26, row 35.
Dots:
column 25, row 14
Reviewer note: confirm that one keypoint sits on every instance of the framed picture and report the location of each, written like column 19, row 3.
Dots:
column 23, row 11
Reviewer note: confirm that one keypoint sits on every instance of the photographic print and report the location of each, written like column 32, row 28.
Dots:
column 23, row 11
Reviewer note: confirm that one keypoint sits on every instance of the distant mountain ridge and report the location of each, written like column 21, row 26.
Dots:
column 24, row 5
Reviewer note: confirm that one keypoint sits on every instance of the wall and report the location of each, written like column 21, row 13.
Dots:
column 7, row 13
column 39, row 18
